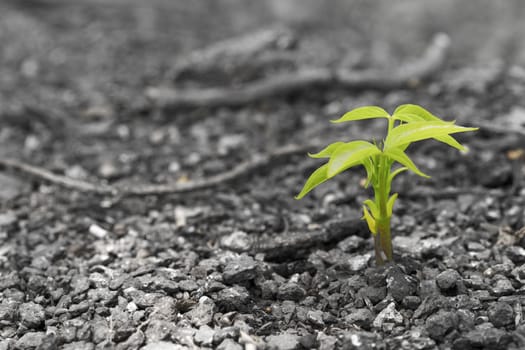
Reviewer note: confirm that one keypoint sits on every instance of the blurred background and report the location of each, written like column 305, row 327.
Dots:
column 76, row 76
column 98, row 39
column 85, row 42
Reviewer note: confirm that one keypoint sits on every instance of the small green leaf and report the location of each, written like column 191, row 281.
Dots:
column 452, row 142
column 408, row 118
column 401, row 157
column 317, row 178
column 415, row 111
column 390, row 204
column 369, row 220
column 350, row 154
column 397, row 172
column 361, row 113
column 417, row 131
column 373, row 207
column 370, row 170
column 327, row 151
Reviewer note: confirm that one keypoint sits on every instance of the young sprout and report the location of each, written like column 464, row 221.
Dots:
column 408, row 124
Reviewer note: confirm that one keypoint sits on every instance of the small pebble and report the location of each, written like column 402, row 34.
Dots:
column 291, row 291
column 229, row 344
column 98, row 231
column 501, row 314
column 447, row 279
column 361, row 317
column 441, row 323
column 204, row 336
column 502, row 287
column 283, row 341
column 31, row 315
column 388, row 315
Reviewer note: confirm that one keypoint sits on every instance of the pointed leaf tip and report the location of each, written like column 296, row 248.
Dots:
column 390, row 204
column 417, row 112
column 362, row 113
column 373, row 207
column 315, row 179
column 327, row 151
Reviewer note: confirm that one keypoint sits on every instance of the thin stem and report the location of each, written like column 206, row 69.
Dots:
column 383, row 240
column 382, row 185
column 390, row 124
column 378, row 250
column 383, row 230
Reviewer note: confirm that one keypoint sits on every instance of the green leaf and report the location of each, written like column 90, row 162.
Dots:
column 390, row 204
column 403, row 147
column 373, row 207
column 369, row 220
column 408, row 118
column 401, row 157
column 361, row 113
column 452, row 142
column 449, row 140
column 327, row 151
column 317, row 178
column 417, row 131
column 396, row 172
column 350, row 154
column 415, row 111
column 370, row 170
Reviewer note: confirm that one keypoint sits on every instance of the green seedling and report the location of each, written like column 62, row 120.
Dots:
column 408, row 124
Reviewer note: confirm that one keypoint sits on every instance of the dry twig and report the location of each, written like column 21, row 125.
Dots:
column 240, row 170
column 264, row 47
column 149, row 189
column 283, row 84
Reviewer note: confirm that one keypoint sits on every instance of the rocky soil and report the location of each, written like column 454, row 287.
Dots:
column 185, row 271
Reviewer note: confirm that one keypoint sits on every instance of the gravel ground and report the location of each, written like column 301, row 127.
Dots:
column 81, row 271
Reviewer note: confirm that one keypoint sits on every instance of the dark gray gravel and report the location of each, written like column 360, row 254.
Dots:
column 283, row 341
column 291, row 291
column 239, row 270
column 362, row 318
column 448, row 279
column 202, row 313
column 501, row 314
column 441, row 323
column 400, row 285
column 242, row 265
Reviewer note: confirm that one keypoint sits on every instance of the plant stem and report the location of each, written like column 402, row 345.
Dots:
column 383, row 240
column 377, row 248
column 382, row 185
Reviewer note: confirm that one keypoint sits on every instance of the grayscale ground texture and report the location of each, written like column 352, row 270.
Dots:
column 150, row 152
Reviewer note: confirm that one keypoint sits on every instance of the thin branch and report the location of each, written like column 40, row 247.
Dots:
column 240, row 170
column 56, row 179
column 306, row 78
column 154, row 189
column 282, row 84
column 232, row 55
